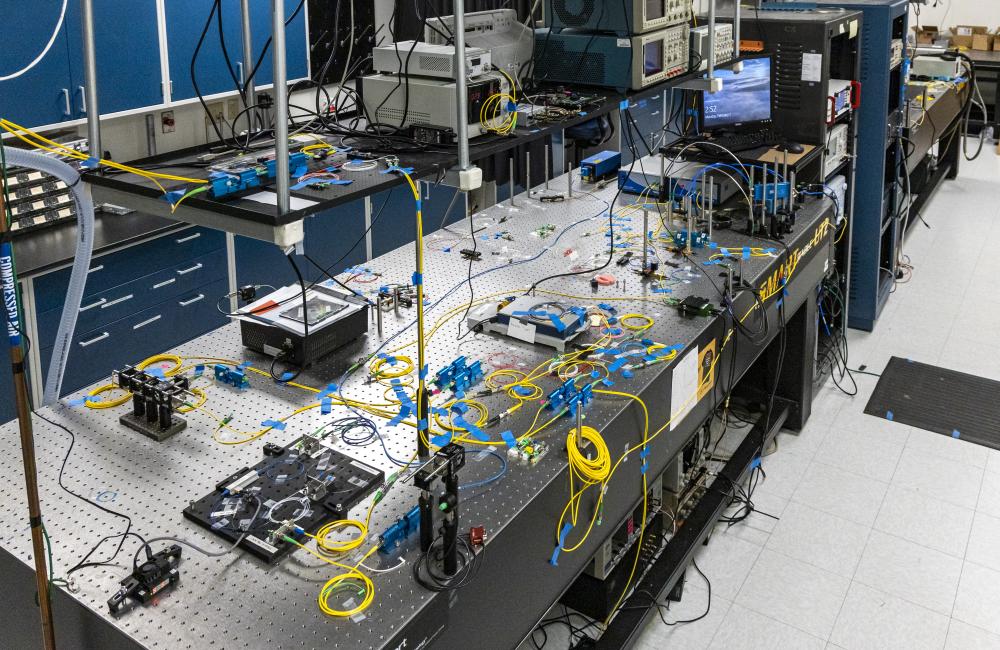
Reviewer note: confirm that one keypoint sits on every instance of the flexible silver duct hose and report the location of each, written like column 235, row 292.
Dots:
column 81, row 263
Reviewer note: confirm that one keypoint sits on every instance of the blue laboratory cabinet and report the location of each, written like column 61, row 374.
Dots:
column 185, row 21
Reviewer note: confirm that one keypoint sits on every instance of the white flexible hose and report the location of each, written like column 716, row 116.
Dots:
column 48, row 46
column 81, row 262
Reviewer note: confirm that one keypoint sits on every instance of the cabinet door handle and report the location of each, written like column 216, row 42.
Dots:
column 193, row 268
column 101, row 337
column 94, row 304
column 67, row 109
column 147, row 321
column 160, row 285
column 185, row 303
column 188, row 238
column 118, row 301
column 83, row 99
column 95, row 269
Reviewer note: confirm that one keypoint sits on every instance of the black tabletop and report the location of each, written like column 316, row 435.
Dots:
column 46, row 249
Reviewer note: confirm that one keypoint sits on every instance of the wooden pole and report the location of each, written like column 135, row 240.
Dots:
column 14, row 329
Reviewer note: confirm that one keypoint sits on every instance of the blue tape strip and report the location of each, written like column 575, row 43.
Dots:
column 563, row 534
column 523, row 391
column 644, row 467
column 473, row 430
column 422, row 425
column 325, row 405
column 627, row 374
column 404, row 412
column 174, row 196
column 755, row 463
column 301, row 170
column 557, row 323
column 616, row 366
column 287, row 376
column 441, row 441
column 80, row 401
column 155, row 372
column 623, row 105
column 509, row 439
column 644, row 452
column 955, row 433
column 274, row 424
column 607, row 382
column 418, row 279
column 888, row 415
column 311, row 181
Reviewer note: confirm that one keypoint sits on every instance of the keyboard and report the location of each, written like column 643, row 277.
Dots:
column 746, row 141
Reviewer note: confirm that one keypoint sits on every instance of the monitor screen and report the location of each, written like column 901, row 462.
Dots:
column 652, row 53
column 745, row 96
column 655, row 9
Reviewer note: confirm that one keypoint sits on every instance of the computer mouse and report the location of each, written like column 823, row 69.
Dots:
column 792, row 147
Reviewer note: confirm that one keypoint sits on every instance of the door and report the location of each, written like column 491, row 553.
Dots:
column 43, row 94
column 127, row 49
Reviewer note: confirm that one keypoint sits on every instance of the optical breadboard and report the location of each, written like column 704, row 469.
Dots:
column 428, row 60
column 572, row 56
column 430, row 101
column 626, row 18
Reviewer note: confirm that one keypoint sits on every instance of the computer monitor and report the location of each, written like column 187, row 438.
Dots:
column 745, row 97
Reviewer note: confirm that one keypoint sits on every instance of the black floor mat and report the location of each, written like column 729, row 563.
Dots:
column 940, row 400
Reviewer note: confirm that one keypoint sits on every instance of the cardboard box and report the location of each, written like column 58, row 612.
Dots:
column 983, row 42
column 964, row 35
column 996, row 41
column 926, row 34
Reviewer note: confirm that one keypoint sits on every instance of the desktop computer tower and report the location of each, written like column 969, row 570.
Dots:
column 808, row 49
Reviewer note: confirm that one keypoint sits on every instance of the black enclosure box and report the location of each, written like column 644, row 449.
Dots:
column 807, row 49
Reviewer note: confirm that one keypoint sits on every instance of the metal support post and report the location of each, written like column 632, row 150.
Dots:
column 17, row 363
column 645, row 240
column 784, row 177
column 461, row 85
column 711, row 38
column 736, row 29
column 91, row 107
column 247, row 66
column 527, row 173
column 510, row 181
column 711, row 205
column 690, row 223
column 546, row 166
column 569, row 180
column 281, row 170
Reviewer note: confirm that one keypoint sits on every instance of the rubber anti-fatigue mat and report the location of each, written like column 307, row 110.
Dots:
column 940, row 400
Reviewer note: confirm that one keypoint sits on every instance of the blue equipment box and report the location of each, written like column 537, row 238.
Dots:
column 600, row 166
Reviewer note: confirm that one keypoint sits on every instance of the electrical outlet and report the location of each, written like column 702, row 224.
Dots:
column 217, row 110
column 167, row 124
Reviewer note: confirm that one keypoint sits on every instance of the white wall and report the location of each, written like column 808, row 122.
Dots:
column 947, row 13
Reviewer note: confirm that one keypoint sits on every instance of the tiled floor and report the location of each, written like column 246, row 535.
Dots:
column 889, row 536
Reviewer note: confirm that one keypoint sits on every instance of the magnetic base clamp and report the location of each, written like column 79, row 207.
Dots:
column 152, row 429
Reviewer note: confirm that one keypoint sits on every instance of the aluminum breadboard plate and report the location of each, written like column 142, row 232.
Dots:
column 240, row 601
